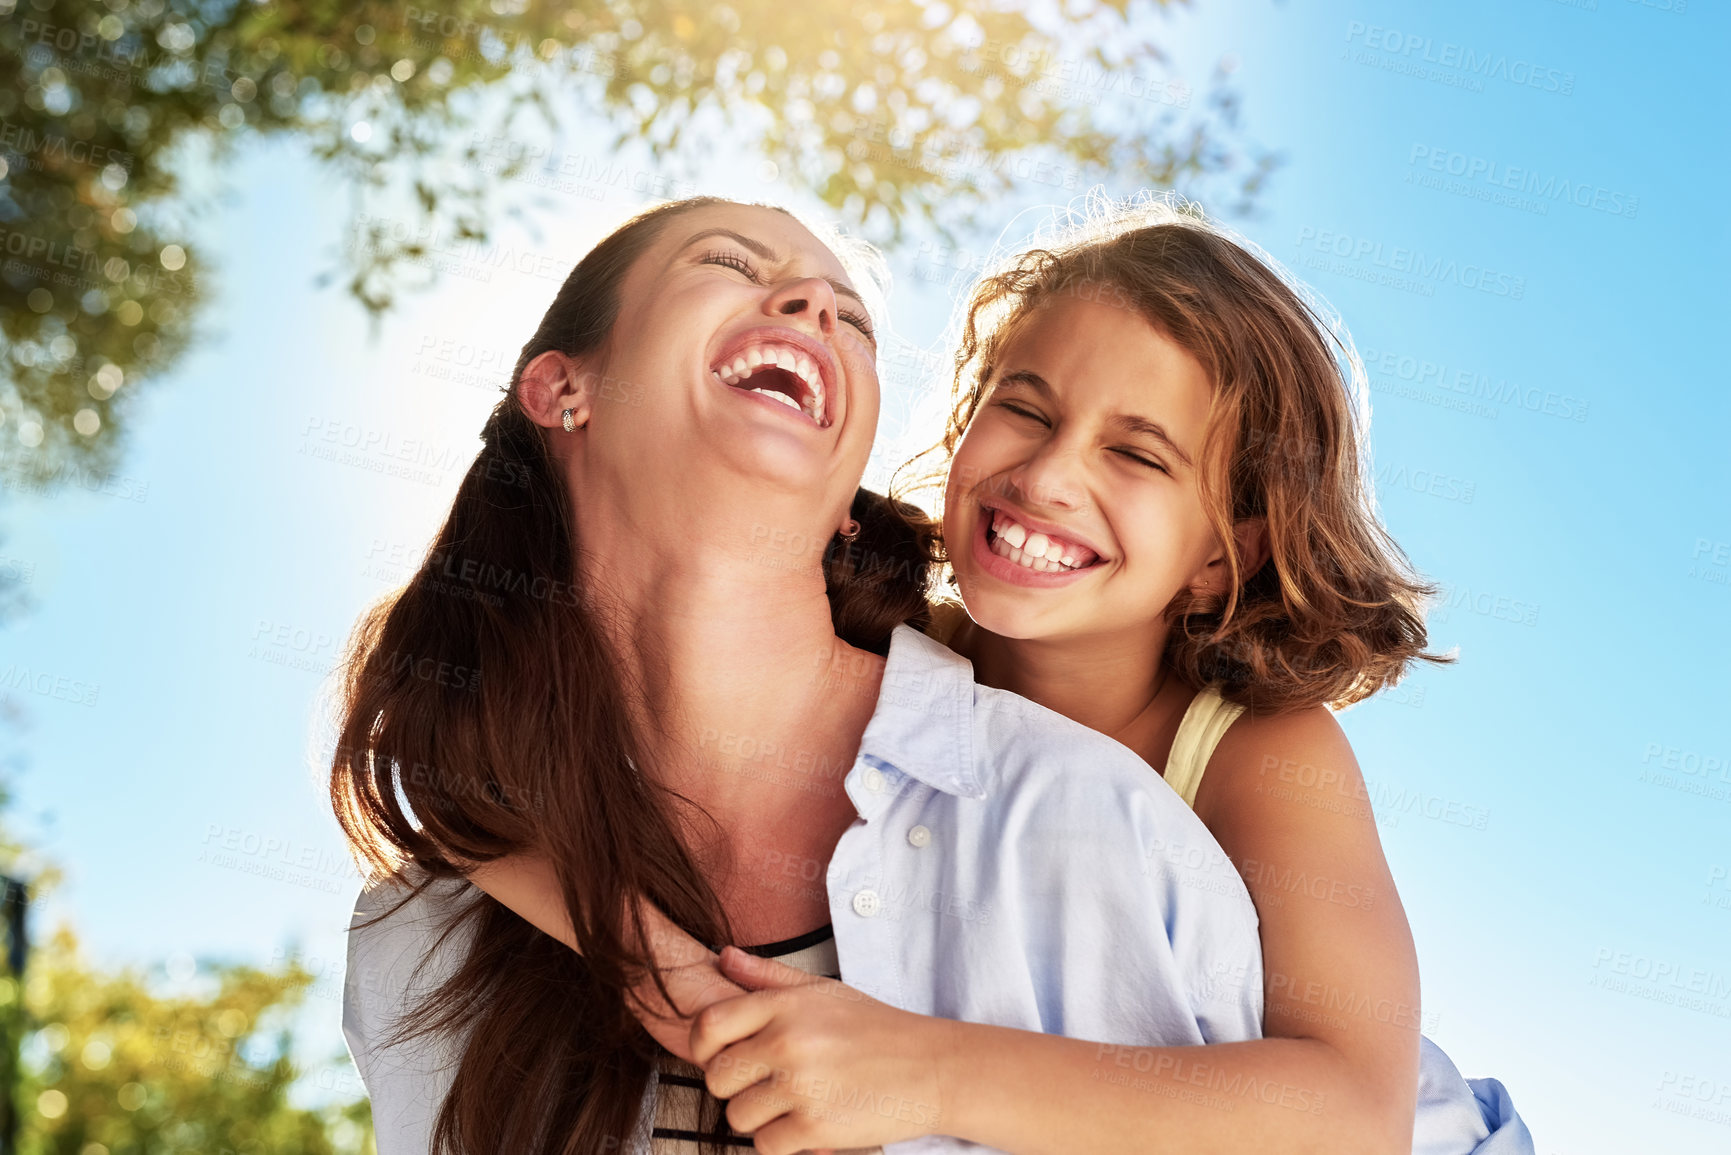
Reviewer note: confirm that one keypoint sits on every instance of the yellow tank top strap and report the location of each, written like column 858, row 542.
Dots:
column 1199, row 732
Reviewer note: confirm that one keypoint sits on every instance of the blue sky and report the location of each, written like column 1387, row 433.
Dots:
column 1549, row 431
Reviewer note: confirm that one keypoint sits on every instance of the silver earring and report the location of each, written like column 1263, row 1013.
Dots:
column 850, row 530
column 565, row 419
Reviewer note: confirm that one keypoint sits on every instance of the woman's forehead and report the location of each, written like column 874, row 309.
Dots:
column 784, row 240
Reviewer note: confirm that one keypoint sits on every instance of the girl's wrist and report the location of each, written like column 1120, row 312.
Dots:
column 955, row 1075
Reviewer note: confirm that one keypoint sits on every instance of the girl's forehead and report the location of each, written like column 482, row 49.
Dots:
column 1076, row 329
column 1106, row 355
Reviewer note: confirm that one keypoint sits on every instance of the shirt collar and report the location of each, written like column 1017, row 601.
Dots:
column 924, row 722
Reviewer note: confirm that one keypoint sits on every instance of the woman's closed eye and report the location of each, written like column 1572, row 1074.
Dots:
column 732, row 261
column 745, row 267
column 858, row 321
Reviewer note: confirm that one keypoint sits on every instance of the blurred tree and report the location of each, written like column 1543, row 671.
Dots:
column 118, row 1064
column 891, row 111
column 114, row 1068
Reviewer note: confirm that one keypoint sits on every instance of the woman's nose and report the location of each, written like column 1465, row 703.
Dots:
column 811, row 299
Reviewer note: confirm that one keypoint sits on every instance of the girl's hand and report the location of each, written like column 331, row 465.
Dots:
column 694, row 985
column 527, row 885
column 811, row 1063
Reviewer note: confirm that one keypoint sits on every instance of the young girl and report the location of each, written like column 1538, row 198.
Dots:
column 1155, row 514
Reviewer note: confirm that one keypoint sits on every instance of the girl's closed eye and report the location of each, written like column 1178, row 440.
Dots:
column 1141, row 460
column 1021, row 411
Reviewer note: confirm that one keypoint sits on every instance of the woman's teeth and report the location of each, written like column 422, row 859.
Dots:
column 1036, row 551
column 783, row 397
column 796, row 364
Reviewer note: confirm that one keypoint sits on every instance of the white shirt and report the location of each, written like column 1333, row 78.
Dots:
column 1008, row 866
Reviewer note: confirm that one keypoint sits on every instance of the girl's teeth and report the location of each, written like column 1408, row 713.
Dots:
column 1033, row 551
column 786, row 360
column 754, row 358
column 1003, row 548
column 740, row 367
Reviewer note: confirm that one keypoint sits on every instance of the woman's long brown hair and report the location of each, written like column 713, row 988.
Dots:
column 483, row 714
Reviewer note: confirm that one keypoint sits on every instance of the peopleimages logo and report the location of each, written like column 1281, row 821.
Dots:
column 1404, row 265
column 1412, row 49
column 1477, row 171
column 1472, row 383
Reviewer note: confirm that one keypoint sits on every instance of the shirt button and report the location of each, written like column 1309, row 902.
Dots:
column 874, row 780
column 866, row 903
column 919, row 836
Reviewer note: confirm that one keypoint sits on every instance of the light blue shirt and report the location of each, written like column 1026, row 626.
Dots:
column 1008, row 866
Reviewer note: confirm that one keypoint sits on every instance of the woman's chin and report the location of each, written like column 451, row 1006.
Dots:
column 774, row 456
column 768, row 473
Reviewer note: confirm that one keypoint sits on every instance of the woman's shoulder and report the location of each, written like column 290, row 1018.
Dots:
column 1028, row 747
column 1083, row 804
column 402, row 940
column 398, row 953
column 409, row 900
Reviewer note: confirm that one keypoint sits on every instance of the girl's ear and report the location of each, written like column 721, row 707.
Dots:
column 551, row 384
column 1250, row 536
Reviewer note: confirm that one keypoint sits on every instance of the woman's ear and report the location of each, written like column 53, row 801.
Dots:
column 551, row 384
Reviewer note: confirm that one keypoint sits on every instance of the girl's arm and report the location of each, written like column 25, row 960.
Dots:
column 1340, row 971
column 528, row 886
column 1337, row 1070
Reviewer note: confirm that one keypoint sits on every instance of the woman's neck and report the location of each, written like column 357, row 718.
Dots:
column 1111, row 684
column 746, row 702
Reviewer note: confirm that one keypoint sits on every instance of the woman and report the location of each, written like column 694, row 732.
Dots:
column 984, row 858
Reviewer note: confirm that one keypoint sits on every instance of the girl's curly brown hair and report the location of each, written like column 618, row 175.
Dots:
column 1336, row 613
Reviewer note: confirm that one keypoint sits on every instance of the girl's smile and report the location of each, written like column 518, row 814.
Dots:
column 1017, row 547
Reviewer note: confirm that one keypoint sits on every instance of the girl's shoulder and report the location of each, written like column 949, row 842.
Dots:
column 1296, row 756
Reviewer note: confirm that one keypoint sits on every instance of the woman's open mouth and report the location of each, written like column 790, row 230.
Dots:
column 780, row 370
column 1005, row 537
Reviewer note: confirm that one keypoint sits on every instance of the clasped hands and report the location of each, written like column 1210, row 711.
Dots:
column 805, row 1063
